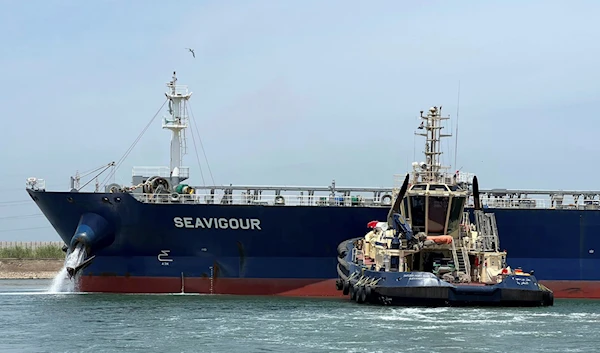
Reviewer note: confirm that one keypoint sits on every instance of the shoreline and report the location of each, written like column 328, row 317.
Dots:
column 30, row 268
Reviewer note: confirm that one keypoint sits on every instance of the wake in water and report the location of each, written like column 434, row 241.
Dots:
column 66, row 280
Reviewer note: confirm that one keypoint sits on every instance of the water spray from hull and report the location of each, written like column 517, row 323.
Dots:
column 93, row 233
column 65, row 280
column 72, row 270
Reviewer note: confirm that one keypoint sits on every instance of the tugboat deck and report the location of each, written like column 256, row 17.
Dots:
column 367, row 261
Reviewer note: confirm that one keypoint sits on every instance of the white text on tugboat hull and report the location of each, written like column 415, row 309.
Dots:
column 217, row 223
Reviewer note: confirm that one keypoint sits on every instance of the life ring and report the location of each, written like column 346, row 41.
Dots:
column 386, row 199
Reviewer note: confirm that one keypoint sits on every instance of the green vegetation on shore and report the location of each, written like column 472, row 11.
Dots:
column 42, row 252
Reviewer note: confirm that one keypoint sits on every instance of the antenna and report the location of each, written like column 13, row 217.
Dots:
column 178, row 96
column 456, row 134
column 430, row 168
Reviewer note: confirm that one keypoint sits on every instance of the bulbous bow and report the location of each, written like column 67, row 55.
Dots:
column 93, row 233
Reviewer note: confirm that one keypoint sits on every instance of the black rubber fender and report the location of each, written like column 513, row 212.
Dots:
column 368, row 291
column 374, row 298
column 345, row 287
column 341, row 274
column 360, row 295
column 364, row 296
column 352, row 292
column 343, row 263
column 342, row 248
column 339, row 284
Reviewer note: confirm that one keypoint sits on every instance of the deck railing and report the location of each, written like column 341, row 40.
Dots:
column 164, row 172
column 302, row 200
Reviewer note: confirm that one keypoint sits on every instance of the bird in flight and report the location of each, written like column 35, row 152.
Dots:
column 191, row 51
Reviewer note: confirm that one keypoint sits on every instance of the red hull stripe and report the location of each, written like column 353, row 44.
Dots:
column 574, row 289
column 272, row 286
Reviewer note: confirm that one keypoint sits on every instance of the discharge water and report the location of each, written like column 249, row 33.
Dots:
column 63, row 282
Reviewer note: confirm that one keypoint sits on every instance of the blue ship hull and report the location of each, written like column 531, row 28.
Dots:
column 289, row 250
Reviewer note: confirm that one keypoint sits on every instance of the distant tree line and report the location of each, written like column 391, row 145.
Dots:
column 39, row 252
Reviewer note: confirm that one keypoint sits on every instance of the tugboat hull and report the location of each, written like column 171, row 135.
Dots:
column 456, row 296
column 425, row 289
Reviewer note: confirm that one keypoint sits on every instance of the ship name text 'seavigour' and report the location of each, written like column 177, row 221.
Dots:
column 163, row 235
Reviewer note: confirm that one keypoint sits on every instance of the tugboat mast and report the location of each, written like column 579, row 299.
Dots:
column 177, row 122
column 430, row 171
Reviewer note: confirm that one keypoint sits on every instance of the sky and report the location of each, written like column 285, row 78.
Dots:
column 297, row 93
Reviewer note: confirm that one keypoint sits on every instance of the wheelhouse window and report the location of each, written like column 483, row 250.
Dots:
column 438, row 209
column 417, row 213
column 436, row 187
column 456, row 210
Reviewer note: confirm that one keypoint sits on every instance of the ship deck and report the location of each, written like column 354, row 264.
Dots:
column 367, row 261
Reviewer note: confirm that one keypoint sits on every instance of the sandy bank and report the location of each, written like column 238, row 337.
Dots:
column 29, row 268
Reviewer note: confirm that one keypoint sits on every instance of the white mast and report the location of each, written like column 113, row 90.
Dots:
column 431, row 171
column 177, row 123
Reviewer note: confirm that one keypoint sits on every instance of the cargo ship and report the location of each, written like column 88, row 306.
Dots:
column 162, row 234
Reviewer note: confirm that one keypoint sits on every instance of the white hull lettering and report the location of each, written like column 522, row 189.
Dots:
column 217, row 223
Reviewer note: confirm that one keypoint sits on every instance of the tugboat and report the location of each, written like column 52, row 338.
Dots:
column 428, row 253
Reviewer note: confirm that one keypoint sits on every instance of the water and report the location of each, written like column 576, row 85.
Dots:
column 34, row 320
column 62, row 282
